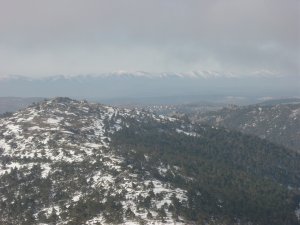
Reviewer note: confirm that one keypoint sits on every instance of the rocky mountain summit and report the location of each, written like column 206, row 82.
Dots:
column 72, row 162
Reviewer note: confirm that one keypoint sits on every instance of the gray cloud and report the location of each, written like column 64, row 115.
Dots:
column 41, row 38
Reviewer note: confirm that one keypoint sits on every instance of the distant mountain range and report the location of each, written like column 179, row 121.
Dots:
column 125, row 85
column 134, row 74
column 64, row 161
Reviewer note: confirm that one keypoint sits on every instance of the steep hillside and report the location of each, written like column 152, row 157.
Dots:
column 278, row 123
column 73, row 162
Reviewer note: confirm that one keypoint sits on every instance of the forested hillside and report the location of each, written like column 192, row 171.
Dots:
column 72, row 162
column 278, row 123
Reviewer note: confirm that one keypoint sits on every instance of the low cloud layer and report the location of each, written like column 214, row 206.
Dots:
column 71, row 37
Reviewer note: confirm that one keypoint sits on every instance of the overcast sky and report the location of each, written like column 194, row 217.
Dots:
column 71, row 37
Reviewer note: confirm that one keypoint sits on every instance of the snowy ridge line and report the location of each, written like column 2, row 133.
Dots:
column 52, row 136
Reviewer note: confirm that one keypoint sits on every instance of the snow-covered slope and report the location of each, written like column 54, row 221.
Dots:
column 63, row 134
column 72, row 162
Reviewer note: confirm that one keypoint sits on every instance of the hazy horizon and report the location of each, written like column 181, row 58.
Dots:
column 140, row 49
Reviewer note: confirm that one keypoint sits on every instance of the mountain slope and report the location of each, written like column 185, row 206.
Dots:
column 278, row 123
column 222, row 170
column 73, row 162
